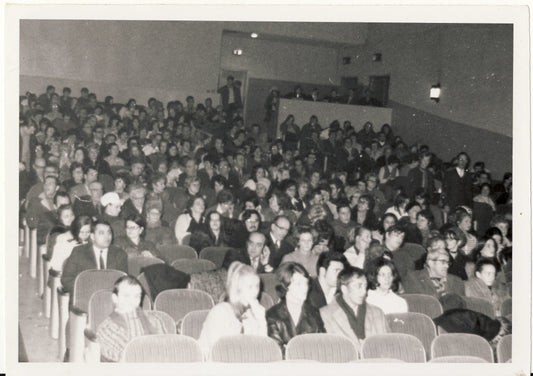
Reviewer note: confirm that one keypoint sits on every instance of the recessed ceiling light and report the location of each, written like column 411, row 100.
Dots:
column 254, row 35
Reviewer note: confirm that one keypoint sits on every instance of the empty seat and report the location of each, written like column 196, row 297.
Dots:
column 507, row 307
column 160, row 348
column 178, row 302
column 425, row 304
column 401, row 346
column 171, row 252
column 461, row 344
column 458, row 359
column 480, row 305
column 192, row 266
column 214, row 254
column 192, row 323
column 244, row 348
column 266, row 300
column 322, row 347
column 146, row 287
column 212, row 282
column 415, row 251
column 268, row 285
column 417, row 324
column 136, row 263
column 504, row 349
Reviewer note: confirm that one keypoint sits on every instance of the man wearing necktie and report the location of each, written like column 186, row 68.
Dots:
column 276, row 240
column 256, row 254
column 97, row 254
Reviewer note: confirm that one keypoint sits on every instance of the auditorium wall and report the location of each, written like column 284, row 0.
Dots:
column 281, row 60
column 447, row 138
column 168, row 59
column 473, row 63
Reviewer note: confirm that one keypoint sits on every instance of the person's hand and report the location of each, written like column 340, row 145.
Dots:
column 146, row 254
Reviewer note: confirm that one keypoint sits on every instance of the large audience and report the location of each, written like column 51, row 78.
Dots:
column 347, row 223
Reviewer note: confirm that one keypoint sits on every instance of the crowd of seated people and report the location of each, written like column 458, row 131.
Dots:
column 347, row 224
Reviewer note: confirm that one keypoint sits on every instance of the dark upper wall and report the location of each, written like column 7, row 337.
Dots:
column 474, row 64
column 171, row 59
column 447, row 138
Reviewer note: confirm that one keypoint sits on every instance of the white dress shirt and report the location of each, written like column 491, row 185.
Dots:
column 97, row 252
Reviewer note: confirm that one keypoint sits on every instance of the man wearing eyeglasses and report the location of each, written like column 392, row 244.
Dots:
column 434, row 278
column 255, row 254
column 276, row 240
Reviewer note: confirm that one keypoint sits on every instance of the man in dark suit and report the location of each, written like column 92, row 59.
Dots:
column 276, row 242
column 323, row 287
column 434, row 279
column 457, row 184
column 231, row 96
column 255, row 254
column 421, row 177
column 98, row 254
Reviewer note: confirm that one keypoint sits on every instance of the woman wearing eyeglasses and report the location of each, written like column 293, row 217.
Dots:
column 133, row 243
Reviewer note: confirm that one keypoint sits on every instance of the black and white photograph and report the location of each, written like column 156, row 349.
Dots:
column 226, row 189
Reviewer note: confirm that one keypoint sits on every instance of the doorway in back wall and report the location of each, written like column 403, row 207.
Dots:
column 379, row 85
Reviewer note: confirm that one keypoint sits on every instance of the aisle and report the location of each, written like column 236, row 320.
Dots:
column 33, row 325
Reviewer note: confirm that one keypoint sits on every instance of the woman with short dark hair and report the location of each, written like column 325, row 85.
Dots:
column 133, row 243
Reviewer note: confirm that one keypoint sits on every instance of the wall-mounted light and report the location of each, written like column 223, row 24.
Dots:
column 434, row 93
column 376, row 57
column 237, row 52
column 254, row 35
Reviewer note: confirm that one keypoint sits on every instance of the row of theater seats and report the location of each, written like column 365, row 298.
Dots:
column 321, row 347
column 186, row 309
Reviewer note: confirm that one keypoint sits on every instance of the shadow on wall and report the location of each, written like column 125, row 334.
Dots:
column 447, row 138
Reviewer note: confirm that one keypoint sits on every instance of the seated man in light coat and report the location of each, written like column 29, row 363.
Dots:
column 349, row 314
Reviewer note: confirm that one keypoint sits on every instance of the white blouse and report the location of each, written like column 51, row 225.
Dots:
column 388, row 301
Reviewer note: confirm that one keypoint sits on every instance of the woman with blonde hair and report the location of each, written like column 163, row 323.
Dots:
column 239, row 313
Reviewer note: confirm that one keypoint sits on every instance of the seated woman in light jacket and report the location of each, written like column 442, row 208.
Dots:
column 240, row 313
column 79, row 234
